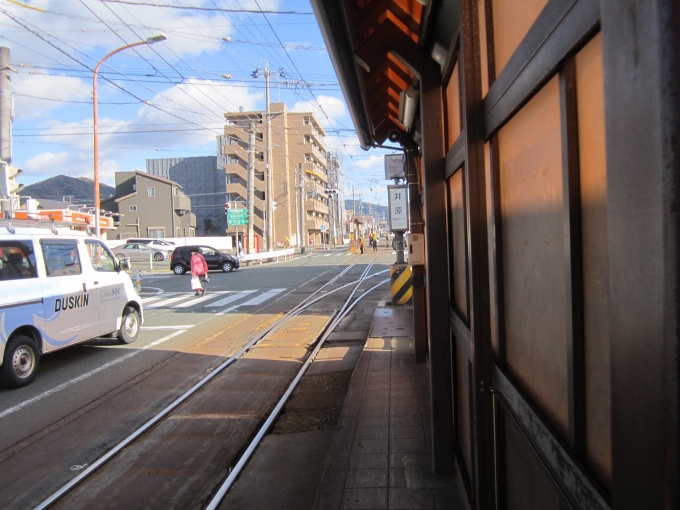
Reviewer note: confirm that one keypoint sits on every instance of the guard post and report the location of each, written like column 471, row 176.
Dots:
column 138, row 280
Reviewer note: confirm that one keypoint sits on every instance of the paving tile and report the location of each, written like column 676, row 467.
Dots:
column 404, row 385
column 375, row 401
column 367, row 478
column 407, row 432
column 368, row 461
column 378, row 386
column 397, row 477
column 338, row 457
column 375, row 392
column 373, row 421
column 372, row 433
column 400, row 459
column 405, row 411
column 370, row 446
column 405, row 421
column 374, row 411
column 333, row 480
column 401, row 393
column 408, row 445
column 401, row 401
column 365, row 498
column 410, row 499
column 330, row 501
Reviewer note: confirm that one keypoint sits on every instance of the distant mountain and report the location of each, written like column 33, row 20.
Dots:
column 367, row 209
column 80, row 189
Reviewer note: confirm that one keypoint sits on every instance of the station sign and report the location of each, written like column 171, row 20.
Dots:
column 398, row 208
column 394, row 167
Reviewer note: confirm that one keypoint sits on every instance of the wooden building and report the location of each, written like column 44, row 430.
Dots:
column 545, row 135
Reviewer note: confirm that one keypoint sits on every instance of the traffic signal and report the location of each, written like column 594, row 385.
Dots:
column 8, row 186
column 227, row 206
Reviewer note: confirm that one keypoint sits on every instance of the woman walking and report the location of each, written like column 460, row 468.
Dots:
column 199, row 268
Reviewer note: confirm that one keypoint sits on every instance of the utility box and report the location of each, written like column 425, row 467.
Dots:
column 416, row 249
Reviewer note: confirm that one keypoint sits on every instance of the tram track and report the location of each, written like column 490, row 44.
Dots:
column 316, row 296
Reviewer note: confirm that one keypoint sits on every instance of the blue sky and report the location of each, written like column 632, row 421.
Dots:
column 165, row 100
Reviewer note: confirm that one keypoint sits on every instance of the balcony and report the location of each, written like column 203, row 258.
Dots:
column 242, row 174
column 311, row 130
column 316, row 206
column 315, row 223
column 182, row 203
column 316, row 171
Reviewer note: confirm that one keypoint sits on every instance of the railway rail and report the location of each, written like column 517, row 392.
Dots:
column 316, row 296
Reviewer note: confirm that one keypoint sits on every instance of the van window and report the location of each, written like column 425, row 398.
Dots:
column 17, row 260
column 100, row 256
column 61, row 257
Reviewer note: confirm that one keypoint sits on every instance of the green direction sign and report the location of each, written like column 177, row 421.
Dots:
column 237, row 222
column 237, row 213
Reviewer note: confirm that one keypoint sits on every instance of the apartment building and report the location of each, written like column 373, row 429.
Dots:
column 300, row 173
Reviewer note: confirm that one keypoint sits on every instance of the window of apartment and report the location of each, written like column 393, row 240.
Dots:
column 133, row 208
column 307, row 121
column 232, row 160
column 259, row 136
column 176, row 191
column 134, row 187
column 157, row 232
column 151, row 192
column 260, row 156
column 308, row 139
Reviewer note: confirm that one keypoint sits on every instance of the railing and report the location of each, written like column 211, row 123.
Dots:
column 268, row 255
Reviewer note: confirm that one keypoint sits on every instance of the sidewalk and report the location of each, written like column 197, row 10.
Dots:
column 380, row 456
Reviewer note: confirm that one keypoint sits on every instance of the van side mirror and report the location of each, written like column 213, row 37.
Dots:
column 125, row 264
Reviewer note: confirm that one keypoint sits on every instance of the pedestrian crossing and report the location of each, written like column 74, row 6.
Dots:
column 210, row 300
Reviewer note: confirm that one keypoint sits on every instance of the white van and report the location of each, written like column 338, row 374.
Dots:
column 58, row 287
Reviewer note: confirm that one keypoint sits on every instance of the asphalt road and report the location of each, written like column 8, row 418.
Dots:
column 87, row 398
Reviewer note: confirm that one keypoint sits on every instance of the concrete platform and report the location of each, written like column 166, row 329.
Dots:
column 380, row 457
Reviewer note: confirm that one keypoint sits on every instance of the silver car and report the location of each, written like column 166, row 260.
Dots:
column 140, row 251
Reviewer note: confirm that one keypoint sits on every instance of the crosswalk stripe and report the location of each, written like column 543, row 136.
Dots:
column 202, row 299
column 263, row 297
column 166, row 302
column 230, row 299
column 155, row 298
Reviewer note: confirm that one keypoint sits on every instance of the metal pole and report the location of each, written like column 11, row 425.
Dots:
column 270, row 170
column 251, row 187
column 5, row 107
column 303, row 215
column 297, row 209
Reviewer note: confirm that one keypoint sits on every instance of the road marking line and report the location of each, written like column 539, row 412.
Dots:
column 156, row 298
column 231, row 299
column 87, row 375
column 228, row 310
column 194, row 302
column 262, row 297
column 166, row 302
column 153, row 328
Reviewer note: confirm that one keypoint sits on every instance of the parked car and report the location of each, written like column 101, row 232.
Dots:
column 59, row 288
column 161, row 244
column 139, row 251
column 180, row 259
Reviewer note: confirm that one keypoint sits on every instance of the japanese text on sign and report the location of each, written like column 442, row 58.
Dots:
column 398, row 205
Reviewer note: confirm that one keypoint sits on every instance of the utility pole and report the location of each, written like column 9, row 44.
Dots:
column 270, row 169
column 5, row 107
column 354, row 204
column 297, row 208
column 303, row 215
column 251, row 187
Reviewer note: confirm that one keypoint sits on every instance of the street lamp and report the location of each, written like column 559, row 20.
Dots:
column 150, row 40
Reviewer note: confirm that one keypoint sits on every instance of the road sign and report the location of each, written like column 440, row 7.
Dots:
column 323, row 228
column 237, row 213
column 238, row 222
column 398, row 205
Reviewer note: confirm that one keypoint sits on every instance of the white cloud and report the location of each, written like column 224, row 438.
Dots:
column 35, row 95
column 47, row 163
column 328, row 109
column 74, row 164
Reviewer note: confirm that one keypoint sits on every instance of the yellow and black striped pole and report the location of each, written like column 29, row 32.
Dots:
column 402, row 287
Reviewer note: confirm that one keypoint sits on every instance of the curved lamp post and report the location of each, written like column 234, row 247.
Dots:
column 150, row 40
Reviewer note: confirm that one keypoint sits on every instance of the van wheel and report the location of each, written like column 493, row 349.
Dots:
column 21, row 362
column 178, row 269
column 129, row 329
column 227, row 267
